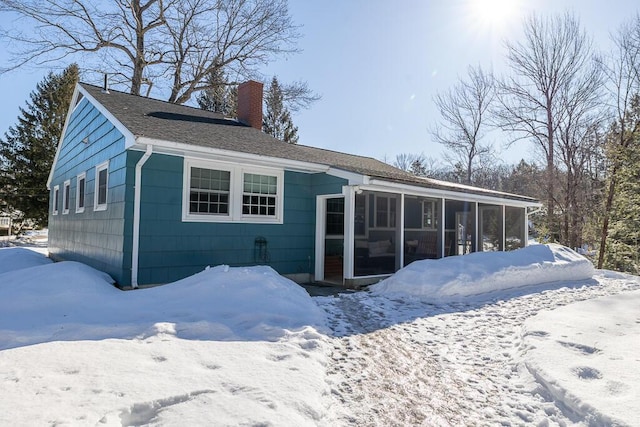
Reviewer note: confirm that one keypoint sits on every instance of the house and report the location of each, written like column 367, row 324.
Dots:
column 151, row 192
column 5, row 225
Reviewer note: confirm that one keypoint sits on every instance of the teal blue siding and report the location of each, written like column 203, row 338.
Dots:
column 171, row 249
column 96, row 238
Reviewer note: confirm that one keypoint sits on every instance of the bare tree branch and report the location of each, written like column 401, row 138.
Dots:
column 463, row 111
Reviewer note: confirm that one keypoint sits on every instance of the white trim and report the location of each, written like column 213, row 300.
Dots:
column 236, row 172
column 135, row 250
column 348, row 256
column 220, row 155
column 82, row 176
column 352, row 177
column 186, row 191
column 101, row 206
column 66, row 196
column 504, row 227
column 443, row 228
column 393, row 187
column 56, row 200
column 318, row 270
column 321, row 210
column 400, row 233
column 476, row 231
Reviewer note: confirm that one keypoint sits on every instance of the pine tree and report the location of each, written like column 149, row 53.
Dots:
column 277, row 119
column 222, row 97
column 28, row 148
column 623, row 244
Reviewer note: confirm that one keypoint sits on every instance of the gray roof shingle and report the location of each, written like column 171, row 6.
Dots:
column 188, row 125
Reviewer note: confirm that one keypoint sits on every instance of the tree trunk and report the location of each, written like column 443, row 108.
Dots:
column 138, row 61
column 551, row 223
column 607, row 212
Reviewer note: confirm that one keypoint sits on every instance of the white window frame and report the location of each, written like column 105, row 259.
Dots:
column 101, row 206
column 56, row 199
column 391, row 199
column 433, row 214
column 236, row 189
column 66, row 195
column 81, row 177
column 186, row 192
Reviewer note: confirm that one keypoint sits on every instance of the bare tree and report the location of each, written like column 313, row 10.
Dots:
column 549, row 68
column 623, row 77
column 153, row 41
column 463, row 110
column 404, row 161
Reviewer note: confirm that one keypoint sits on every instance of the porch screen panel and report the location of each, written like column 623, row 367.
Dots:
column 514, row 228
column 490, row 222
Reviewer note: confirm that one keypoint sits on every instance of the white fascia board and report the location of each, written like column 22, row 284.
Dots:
column 187, row 150
column 388, row 186
column 352, row 177
column 74, row 98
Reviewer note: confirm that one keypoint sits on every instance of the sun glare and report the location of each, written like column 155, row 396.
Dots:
column 492, row 14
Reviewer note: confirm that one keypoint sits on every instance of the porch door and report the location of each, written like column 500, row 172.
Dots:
column 334, row 240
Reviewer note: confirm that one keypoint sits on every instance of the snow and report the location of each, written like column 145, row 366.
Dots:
column 19, row 258
column 451, row 278
column 533, row 337
column 581, row 356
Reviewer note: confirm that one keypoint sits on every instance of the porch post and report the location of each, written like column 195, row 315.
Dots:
column 401, row 236
column 443, row 231
column 476, row 231
column 504, row 228
column 349, row 232
column 526, row 227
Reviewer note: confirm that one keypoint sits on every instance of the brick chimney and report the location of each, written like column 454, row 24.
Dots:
column 250, row 103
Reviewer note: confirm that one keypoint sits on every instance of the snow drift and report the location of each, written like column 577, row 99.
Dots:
column 69, row 301
column 458, row 277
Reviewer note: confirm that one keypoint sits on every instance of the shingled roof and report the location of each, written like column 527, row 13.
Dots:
column 151, row 118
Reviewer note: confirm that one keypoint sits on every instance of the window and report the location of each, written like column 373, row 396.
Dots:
column 232, row 193
column 259, row 195
column 102, row 182
column 209, row 191
column 385, row 212
column 429, row 214
column 65, row 197
column 80, row 192
column 335, row 216
column 56, row 198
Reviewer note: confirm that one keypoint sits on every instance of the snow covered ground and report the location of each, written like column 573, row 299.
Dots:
column 532, row 337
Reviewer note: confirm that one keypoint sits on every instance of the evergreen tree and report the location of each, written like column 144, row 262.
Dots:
column 623, row 242
column 623, row 245
column 277, row 118
column 28, row 148
column 222, row 97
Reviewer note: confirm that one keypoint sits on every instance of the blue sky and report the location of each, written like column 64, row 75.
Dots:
column 378, row 64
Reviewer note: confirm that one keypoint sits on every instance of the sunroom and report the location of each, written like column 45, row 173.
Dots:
column 371, row 231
